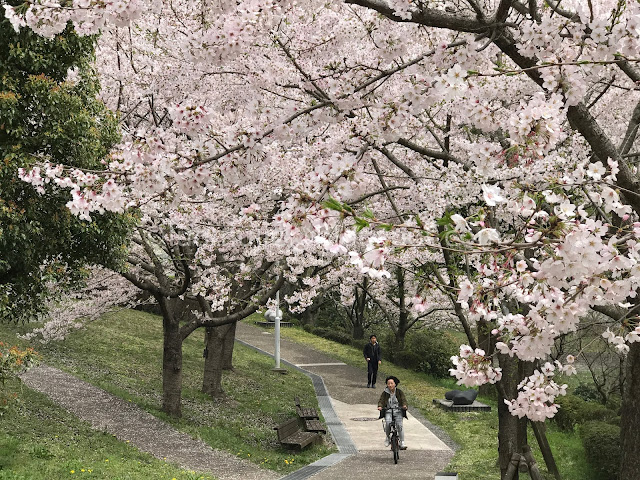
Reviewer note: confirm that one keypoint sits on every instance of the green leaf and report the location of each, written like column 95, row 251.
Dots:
column 361, row 223
column 333, row 204
column 444, row 220
column 368, row 213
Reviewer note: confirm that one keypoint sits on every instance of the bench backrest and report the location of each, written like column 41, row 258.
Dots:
column 288, row 428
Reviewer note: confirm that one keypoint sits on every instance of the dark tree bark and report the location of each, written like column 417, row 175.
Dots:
column 512, row 431
column 171, row 358
column 487, row 343
column 403, row 313
column 358, row 332
column 540, row 431
column 229, row 342
column 358, row 311
column 630, row 421
column 308, row 317
column 214, row 361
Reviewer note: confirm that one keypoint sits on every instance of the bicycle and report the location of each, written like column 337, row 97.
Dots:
column 393, row 433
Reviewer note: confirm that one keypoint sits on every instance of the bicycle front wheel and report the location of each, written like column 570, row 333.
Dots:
column 395, row 446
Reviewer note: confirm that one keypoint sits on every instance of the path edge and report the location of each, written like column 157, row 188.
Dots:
column 341, row 437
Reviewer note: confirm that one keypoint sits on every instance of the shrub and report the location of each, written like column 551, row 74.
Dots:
column 435, row 349
column 597, row 412
column 568, row 411
column 614, row 402
column 427, row 351
column 574, row 410
column 12, row 362
column 602, row 447
column 408, row 359
column 587, row 392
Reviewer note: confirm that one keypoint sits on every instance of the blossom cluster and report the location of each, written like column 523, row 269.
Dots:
column 474, row 367
column 85, row 199
column 188, row 119
column 537, row 126
column 537, row 393
column 50, row 17
column 619, row 342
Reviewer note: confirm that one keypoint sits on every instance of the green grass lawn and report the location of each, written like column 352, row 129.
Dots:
column 475, row 433
column 122, row 353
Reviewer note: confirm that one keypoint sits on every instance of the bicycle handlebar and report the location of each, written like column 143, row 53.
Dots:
column 384, row 409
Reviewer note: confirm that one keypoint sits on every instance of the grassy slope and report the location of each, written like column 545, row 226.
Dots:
column 122, row 354
column 475, row 433
column 39, row 440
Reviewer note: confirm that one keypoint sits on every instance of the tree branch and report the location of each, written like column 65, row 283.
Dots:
column 210, row 321
column 432, row 153
column 425, row 16
column 502, row 12
column 392, row 158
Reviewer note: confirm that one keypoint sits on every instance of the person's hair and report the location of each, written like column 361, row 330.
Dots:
column 391, row 377
column 371, row 336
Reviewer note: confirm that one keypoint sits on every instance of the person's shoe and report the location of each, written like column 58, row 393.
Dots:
column 368, row 385
column 387, row 442
column 403, row 446
column 373, row 386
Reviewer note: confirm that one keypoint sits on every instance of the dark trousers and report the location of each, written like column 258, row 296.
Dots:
column 372, row 371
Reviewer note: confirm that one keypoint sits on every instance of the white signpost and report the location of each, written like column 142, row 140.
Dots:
column 276, row 316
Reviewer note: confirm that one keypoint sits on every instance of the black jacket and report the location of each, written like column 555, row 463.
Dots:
column 384, row 399
column 373, row 352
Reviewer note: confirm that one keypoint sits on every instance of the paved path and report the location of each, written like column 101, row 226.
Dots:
column 129, row 423
column 350, row 411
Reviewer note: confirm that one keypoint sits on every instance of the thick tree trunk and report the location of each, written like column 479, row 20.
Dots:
column 630, row 421
column 403, row 317
column 171, row 359
column 309, row 317
column 229, row 342
column 401, row 336
column 512, row 431
column 487, row 343
column 358, row 331
column 358, row 311
column 214, row 361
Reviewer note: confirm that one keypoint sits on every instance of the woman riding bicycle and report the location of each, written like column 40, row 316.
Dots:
column 393, row 404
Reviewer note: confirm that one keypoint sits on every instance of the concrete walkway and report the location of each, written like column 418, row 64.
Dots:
column 350, row 411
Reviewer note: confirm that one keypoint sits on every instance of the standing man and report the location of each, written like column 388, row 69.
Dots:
column 373, row 355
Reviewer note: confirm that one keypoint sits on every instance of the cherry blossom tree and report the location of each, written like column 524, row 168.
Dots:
column 493, row 139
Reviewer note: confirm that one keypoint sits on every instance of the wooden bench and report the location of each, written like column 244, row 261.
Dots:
column 306, row 413
column 291, row 434
column 314, row 426
column 310, row 418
